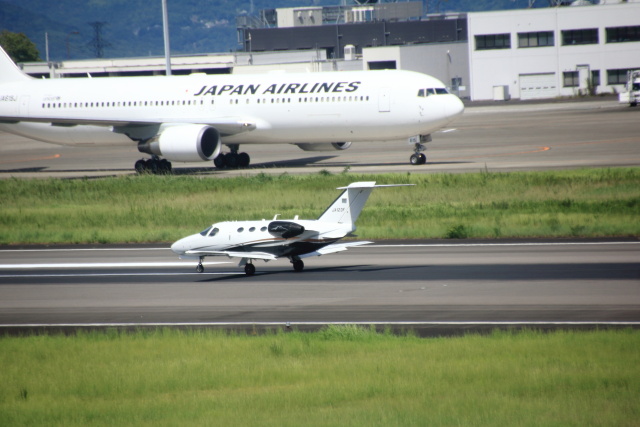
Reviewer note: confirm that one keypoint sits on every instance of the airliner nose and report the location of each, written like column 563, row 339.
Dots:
column 454, row 107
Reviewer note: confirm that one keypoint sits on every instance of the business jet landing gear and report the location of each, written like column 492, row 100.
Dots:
column 418, row 157
column 200, row 268
column 154, row 165
column 298, row 265
column 233, row 159
column 249, row 269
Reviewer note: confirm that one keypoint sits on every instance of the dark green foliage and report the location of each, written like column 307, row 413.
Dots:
column 19, row 47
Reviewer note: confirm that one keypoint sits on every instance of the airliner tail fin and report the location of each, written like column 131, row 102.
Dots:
column 9, row 71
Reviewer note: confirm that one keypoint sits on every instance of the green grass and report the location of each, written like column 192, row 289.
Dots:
column 576, row 203
column 339, row 376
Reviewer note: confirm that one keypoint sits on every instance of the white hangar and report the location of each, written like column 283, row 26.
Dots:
column 551, row 52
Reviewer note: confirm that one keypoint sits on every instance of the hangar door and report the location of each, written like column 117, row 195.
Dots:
column 533, row 86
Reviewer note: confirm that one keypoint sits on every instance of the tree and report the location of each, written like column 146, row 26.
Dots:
column 19, row 47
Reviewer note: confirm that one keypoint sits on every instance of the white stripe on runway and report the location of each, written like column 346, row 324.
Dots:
column 107, row 265
column 291, row 324
column 453, row 245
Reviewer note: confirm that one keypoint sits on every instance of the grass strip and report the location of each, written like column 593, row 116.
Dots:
column 339, row 376
column 573, row 203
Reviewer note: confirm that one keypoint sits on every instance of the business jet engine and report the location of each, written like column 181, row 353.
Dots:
column 285, row 229
column 323, row 146
column 185, row 143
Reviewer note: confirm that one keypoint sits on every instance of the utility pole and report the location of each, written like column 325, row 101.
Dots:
column 167, row 47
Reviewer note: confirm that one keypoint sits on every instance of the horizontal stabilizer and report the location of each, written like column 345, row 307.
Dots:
column 336, row 247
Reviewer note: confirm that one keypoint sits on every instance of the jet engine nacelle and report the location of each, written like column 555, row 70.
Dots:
column 285, row 229
column 185, row 143
column 323, row 146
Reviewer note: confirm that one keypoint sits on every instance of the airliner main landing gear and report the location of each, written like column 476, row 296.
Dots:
column 154, row 165
column 200, row 268
column 233, row 159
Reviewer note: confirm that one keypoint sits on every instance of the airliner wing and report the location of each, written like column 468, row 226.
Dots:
column 225, row 125
column 336, row 247
column 234, row 254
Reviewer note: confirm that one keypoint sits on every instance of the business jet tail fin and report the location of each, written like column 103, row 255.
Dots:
column 347, row 207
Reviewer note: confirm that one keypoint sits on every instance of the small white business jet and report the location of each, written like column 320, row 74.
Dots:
column 189, row 118
column 294, row 239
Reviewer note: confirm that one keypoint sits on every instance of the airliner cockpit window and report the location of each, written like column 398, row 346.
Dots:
column 205, row 232
column 441, row 91
column 421, row 93
column 431, row 91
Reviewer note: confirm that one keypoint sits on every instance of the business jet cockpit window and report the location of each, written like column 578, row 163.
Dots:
column 422, row 93
column 209, row 232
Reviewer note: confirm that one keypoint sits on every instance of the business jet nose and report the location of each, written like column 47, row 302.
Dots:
column 179, row 247
column 454, row 107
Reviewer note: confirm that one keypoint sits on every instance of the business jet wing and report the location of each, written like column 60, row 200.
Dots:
column 234, row 254
column 336, row 247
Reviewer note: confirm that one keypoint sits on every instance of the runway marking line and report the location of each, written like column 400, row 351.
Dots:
column 539, row 150
column 55, row 156
column 382, row 245
column 108, row 265
column 32, row 266
column 290, row 324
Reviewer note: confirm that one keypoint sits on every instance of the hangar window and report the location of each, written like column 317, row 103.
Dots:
column 595, row 78
column 570, row 79
column 536, row 39
column 623, row 34
column 493, row 41
column 617, row 77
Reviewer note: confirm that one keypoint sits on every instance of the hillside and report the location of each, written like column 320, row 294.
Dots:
column 134, row 27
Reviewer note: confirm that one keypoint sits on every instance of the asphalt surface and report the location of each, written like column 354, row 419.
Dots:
column 437, row 287
column 502, row 136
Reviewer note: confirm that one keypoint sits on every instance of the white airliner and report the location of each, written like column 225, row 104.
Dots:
column 189, row 118
column 294, row 238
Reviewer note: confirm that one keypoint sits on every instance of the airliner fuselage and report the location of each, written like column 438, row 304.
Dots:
column 188, row 118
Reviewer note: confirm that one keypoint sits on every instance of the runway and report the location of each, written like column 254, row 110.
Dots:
column 436, row 287
column 439, row 287
column 504, row 136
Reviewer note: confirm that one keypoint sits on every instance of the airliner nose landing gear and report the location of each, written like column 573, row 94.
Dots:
column 418, row 157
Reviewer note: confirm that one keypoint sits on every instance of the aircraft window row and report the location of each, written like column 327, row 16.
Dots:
column 201, row 102
column 432, row 91
column 122, row 104
column 305, row 99
column 252, row 229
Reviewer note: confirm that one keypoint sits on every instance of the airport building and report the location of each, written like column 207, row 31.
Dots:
column 551, row 52
column 574, row 49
